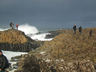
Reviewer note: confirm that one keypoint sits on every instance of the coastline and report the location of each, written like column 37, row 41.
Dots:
column 72, row 49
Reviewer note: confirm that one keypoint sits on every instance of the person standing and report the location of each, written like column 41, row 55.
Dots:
column 17, row 26
column 12, row 25
column 90, row 33
column 74, row 28
column 3, row 62
column 80, row 29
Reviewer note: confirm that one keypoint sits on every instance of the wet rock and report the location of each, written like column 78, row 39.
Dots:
column 52, row 34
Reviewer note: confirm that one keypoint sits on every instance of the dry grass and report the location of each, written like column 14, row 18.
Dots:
column 70, row 47
column 12, row 36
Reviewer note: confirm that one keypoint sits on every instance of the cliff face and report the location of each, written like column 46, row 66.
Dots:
column 16, row 40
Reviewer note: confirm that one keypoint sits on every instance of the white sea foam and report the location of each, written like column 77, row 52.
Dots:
column 41, row 37
column 10, row 54
column 1, row 29
column 31, row 31
column 28, row 29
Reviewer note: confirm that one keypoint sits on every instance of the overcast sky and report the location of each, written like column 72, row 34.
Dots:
column 48, row 12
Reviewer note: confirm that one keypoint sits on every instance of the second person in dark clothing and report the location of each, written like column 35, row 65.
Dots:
column 90, row 33
column 3, row 62
column 74, row 28
column 80, row 29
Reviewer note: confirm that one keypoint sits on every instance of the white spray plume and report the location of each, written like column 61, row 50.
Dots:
column 28, row 29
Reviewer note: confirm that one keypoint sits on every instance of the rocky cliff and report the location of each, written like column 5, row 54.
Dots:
column 16, row 40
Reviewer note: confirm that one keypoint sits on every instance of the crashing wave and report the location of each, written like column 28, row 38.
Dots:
column 28, row 29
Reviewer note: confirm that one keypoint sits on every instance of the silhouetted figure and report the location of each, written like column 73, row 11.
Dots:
column 12, row 25
column 90, row 33
column 3, row 62
column 17, row 26
column 74, row 28
column 80, row 29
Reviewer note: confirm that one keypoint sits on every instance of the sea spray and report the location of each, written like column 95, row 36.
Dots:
column 32, row 32
column 3, row 29
column 41, row 37
column 28, row 29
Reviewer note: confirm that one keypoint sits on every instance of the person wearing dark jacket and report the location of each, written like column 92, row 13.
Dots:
column 74, row 28
column 12, row 25
column 80, row 29
column 90, row 33
column 3, row 62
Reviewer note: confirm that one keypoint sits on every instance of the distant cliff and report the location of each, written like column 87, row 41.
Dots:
column 16, row 40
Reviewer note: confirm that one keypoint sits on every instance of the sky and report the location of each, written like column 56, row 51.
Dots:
column 49, row 13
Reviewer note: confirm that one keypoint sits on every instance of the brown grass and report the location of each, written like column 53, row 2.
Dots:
column 12, row 36
column 70, row 47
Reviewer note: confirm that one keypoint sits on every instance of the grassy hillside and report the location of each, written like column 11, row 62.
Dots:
column 12, row 36
column 15, row 40
column 70, row 47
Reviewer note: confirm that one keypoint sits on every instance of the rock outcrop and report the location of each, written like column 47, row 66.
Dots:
column 54, row 33
column 15, row 40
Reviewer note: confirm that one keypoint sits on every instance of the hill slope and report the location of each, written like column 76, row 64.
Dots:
column 16, row 40
column 70, row 47
column 12, row 36
column 65, row 53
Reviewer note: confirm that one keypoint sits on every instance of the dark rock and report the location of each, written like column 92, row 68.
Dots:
column 54, row 33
